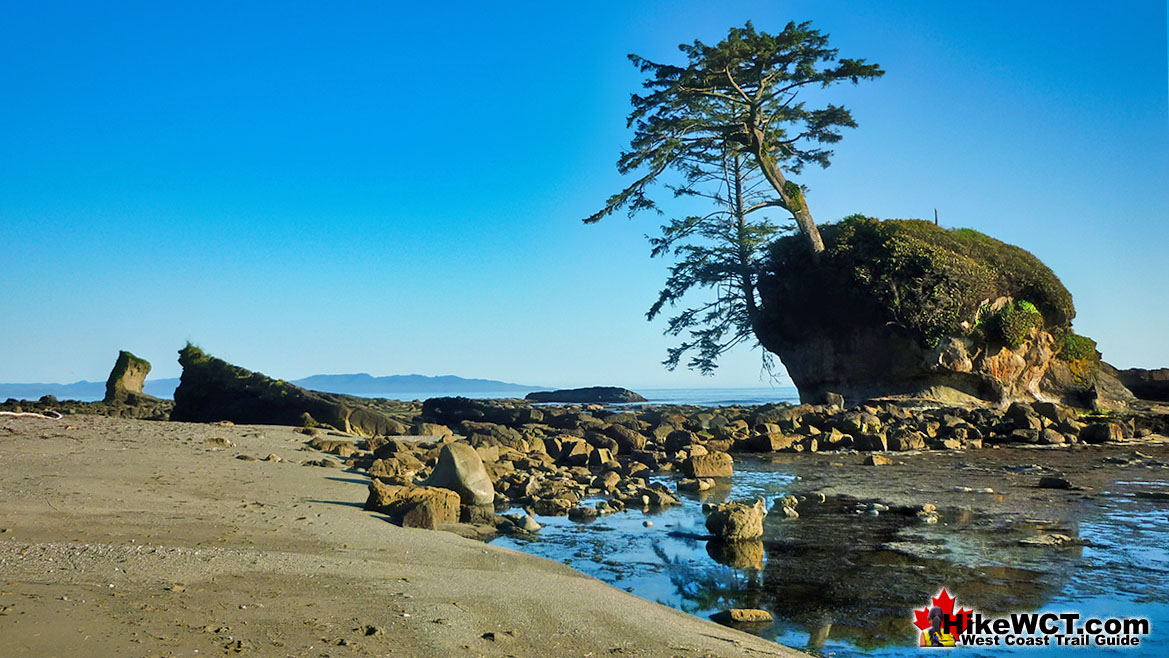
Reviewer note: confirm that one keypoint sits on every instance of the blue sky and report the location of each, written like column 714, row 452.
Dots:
column 392, row 188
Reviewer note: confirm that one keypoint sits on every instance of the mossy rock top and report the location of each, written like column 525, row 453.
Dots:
column 923, row 277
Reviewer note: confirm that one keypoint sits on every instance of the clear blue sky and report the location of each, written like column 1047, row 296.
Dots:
column 389, row 188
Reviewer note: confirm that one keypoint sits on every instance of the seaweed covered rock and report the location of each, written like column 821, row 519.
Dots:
column 907, row 308
column 127, row 378
column 212, row 389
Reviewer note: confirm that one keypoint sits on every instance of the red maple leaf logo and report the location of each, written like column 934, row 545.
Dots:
column 946, row 602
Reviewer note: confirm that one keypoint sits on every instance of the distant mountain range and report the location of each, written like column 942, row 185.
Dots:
column 359, row 384
column 370, row 386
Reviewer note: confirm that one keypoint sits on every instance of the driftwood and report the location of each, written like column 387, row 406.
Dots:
column 49, row 414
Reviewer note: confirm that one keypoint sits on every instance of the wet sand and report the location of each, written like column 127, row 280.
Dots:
column 136, row 538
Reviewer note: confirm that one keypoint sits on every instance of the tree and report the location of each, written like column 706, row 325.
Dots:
column 744, row 91
column 722, row 250
column 730, row 127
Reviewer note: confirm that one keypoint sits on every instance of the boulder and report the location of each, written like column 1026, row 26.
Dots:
column 126, row 379
column 771, row 442
column 397, row 501
column 461, row 470
column 592, row 394
column 735, row 521
column 712, row 465
column 213, row 390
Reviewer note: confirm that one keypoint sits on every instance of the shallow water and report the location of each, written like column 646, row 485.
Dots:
column 845, row 584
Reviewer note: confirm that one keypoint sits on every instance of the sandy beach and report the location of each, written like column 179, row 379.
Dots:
column 139, row 538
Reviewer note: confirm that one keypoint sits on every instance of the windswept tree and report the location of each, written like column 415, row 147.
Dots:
column 721, row 250
column 730, row 127
column 745, row 90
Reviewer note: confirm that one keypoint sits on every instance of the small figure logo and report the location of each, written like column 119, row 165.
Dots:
column 940, row 626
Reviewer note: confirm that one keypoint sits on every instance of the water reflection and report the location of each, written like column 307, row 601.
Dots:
column 844, row 583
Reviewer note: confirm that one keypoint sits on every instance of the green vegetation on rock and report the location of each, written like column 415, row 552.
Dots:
column 1015, row 322
column 930, row 279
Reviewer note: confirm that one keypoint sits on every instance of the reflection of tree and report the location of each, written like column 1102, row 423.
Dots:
column 840, row 576
column 711, row 587
column 834, row 567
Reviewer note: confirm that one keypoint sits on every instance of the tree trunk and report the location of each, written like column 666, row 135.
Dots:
column 794, row 201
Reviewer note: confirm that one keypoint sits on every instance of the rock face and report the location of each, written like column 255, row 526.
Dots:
column 461, row 470
column 594, row 394
column 734, row 522
column 906, row 308
column 418, row 507
column 1147, row 384
column 126, row 378
column 711, row 465
column 212, row 390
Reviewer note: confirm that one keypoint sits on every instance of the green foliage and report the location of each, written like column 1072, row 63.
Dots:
column 721, row 251
column 744, row 90
column 726, row 121
column 1015, row 321
column 929, row 279
column 1072, row 347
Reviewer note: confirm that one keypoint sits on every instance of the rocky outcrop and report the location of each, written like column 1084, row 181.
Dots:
column 590, row 395
column 415, row 507
column 126, row 379
column 1147, row 384
column 735, row 522
column 903, row 308
column 460, row 469
column 212, row 390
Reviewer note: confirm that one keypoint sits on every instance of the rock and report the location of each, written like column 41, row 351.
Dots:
column 1050, row 540
column 451, row 411
column 627, row 440
column 582, row 514
column 552, row 506
column 606, row 481
column 431, row 429
column 593, row 394
column 903, row 439
column 1152, row 495
column 877, row 460
column 1147, row 384
column 713, row 465
column 742, row 616
column 1102, row 432
column 340, row 448
column 599, row 458
column 867, row 320
column 1052, row 482
column 212, row 390
column 423, row 515
column 126, row 379
column 460, row 469
column 771, row 442
column 1051, row 437
column 397, row 501
column 700, row 484
column 871, row 442
column 736, row 521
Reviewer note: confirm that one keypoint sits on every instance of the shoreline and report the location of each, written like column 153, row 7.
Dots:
column 128, row 537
